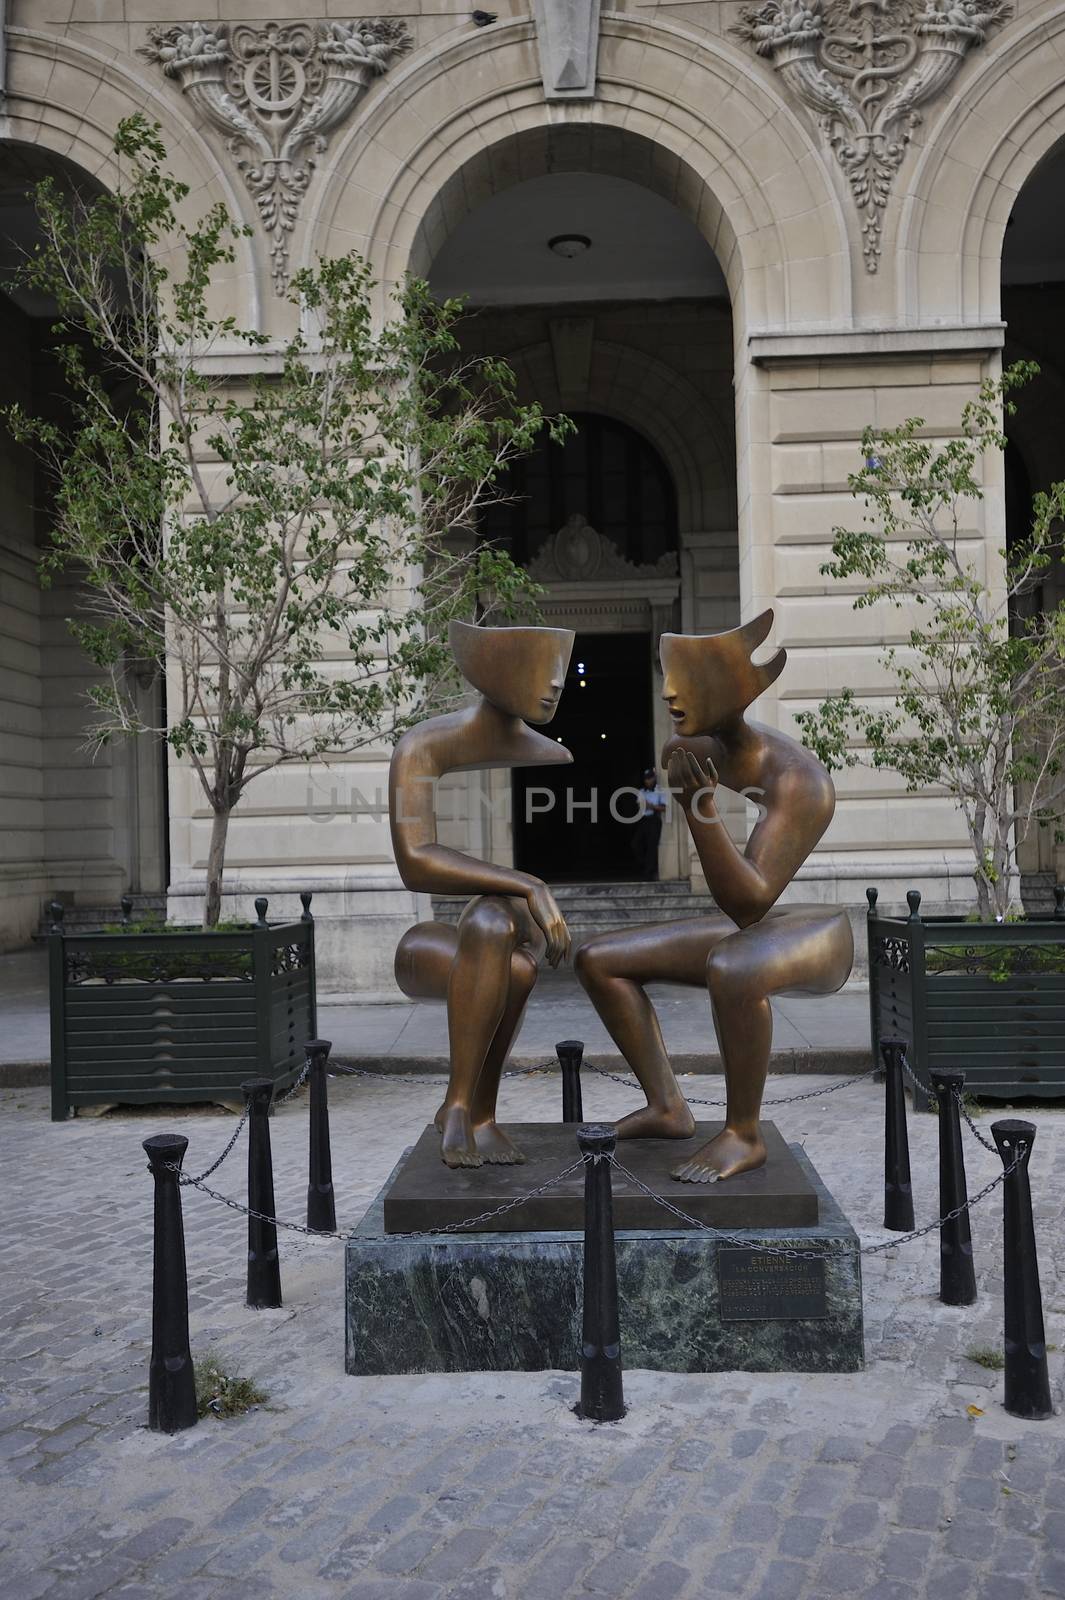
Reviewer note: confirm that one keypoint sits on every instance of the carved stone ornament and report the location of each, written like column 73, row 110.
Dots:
column 567, row 35
column 277, row 91
column 578, row 554
column 865, row 66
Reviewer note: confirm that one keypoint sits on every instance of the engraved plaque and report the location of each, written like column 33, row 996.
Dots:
column 756, row 1287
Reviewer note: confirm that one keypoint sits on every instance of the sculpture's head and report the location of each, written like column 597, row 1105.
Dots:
column 710, row 678
column 520, row 670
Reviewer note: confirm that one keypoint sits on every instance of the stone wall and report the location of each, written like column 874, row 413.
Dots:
column 843, row 311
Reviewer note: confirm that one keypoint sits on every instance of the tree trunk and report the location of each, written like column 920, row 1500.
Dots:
column 212, row 905
column 1003, row 877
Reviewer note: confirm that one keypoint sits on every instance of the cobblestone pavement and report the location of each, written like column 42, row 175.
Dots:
column 883, row 1484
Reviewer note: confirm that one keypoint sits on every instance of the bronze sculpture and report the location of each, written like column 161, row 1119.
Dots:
column 754, row 948
column 486, row 967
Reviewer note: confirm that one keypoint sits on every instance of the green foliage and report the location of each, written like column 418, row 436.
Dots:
column 223, row 1394
column 977, row 707
column 986, row 1355
column 289, row 526
column 998, row 962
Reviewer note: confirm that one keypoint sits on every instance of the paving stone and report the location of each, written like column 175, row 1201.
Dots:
column 455, row 1558
column 953, row 1580
column 782, row 1580
column 904, row 1554
column 801, row 1536
column 1052, row 1576
column 454, row 1487
column 843, row 1572
column 857, row 1524
column 665, row 1581
column 919, row 1507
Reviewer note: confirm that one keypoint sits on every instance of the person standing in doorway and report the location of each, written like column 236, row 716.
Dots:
column 649, row 826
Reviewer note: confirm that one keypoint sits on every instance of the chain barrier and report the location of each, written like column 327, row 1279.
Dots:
column 186, row 1179
column 814, row 1255
column 426, row 1233
column 786, row 1100
column 626, row 1083
column 981, row 1139
column 427, row 1079
column 720, row 1234
column 959, row 1097
column 298, row 1084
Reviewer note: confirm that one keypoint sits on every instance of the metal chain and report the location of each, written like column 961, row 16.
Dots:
column 186, row 1178
column 786, row 1100
column 425, row 1079
column 550, row 1066
column 959, row 1097
column 183, row 1177
column 723, row 1237
column 448, row 1227
column 298, row 1084
column 988, row 1144
column 814, row 1255
column 967, row 1205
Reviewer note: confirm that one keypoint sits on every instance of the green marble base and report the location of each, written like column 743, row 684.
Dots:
column 511, row 1302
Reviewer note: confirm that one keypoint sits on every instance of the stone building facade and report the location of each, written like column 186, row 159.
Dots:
column 723, row 236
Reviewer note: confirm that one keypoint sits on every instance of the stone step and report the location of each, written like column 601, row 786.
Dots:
column 598, row 907
column 1037, row 893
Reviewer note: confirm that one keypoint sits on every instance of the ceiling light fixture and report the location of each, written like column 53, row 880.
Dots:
column 569, row 245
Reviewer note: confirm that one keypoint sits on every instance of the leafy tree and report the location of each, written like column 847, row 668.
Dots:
column 978, row 692
column 291, row 541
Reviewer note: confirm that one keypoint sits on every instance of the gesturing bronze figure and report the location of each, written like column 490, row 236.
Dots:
column 486, row 967
column 754, row 949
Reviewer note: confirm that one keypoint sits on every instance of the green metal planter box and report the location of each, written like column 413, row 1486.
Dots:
column 172, row 1017
column 983, row 998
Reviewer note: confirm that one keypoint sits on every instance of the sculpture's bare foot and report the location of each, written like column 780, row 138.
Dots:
column 658, row 1122
column 725, row 1156
column 457, row 1145
column 494, row 1147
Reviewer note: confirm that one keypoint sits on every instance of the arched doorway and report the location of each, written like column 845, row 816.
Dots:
column 610, row 493
column 1033, row 308
column 611, row 306
column 81, row 829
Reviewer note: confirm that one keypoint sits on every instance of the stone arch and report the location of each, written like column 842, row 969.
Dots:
column 661, row 405
column 67, row 97
column 452, row 127
column 971, row 171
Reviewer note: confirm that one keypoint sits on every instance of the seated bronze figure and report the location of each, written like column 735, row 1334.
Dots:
column 486, row 967
column 754, row 949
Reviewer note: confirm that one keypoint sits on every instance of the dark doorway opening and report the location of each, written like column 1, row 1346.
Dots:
column 604, row 470
column 605, row 719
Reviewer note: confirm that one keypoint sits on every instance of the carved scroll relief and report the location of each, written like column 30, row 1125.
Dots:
column 277, row 92
column 865, row 67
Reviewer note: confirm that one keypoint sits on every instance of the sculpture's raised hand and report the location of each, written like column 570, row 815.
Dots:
column 545, row 912
column 690, row 780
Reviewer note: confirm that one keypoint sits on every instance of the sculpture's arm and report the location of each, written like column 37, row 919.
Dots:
column 746, row 884
column 432, row 868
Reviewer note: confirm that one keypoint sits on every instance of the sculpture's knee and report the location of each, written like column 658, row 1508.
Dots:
column 489, row 921
column 590, row 966
column 732, row 975
column 522, row 972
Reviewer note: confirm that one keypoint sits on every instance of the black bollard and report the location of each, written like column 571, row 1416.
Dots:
column 602, row 1398
column 898, row 1193
column 171, row 1382
column 321, row 1207
column 570, row 1053
column 264, row 1267
column 1027, row 1380
column 957, row 1275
